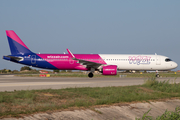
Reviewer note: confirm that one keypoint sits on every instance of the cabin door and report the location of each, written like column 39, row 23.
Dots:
column 158, row 60
column 33, row 59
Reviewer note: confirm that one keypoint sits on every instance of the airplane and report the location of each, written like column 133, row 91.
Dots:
column 107, row 64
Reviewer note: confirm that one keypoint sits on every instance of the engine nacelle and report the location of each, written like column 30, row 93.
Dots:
column 109, row 70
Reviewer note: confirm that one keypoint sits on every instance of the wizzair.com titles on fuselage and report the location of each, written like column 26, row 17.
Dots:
column 107, row 64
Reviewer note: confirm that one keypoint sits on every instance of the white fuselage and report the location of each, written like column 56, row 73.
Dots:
column 139, row 62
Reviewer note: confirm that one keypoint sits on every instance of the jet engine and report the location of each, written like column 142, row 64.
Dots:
column 109, row 70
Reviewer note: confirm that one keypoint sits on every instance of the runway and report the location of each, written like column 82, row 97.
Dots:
column 11, row 83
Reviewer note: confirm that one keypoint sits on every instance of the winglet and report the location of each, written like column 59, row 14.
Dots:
column 70, row 53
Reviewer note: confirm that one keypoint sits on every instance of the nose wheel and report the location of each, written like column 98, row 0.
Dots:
column 157, row 74
column 90, row 75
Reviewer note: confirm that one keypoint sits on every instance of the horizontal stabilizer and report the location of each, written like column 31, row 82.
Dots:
column 12, row 58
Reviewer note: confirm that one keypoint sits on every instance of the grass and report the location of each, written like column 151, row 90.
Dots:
column 22, row 102
column 168, row 115
column 163, row 86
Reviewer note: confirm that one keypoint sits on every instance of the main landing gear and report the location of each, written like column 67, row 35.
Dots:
column 90, row 75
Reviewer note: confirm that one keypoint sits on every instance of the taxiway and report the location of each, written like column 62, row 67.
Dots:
column 11, row 83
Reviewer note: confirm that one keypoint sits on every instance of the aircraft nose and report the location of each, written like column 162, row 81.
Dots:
column 175, row 65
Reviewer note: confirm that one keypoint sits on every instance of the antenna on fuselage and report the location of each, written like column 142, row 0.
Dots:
column 64, row 53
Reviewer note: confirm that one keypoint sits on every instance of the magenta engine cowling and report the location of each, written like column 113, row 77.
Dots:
column 109, row 70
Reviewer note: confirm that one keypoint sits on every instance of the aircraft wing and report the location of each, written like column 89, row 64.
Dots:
column 88, row 64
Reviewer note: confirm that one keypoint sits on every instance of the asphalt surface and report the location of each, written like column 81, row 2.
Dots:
column 11, row 83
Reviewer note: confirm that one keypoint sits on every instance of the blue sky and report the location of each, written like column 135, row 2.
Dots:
column 94, row 26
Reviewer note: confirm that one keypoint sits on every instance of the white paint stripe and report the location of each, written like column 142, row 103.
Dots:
column 37, row 83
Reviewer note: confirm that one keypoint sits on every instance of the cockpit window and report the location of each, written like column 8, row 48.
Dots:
column 168, row 59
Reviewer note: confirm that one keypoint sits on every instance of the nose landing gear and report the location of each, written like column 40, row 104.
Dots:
column 157, row 74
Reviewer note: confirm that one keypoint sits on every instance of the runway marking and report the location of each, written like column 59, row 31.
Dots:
column 5, row 84
column 37, row 84
column 5, row 81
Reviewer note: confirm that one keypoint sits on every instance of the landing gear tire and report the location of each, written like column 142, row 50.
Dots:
column 90, row 75
column 157, row 75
